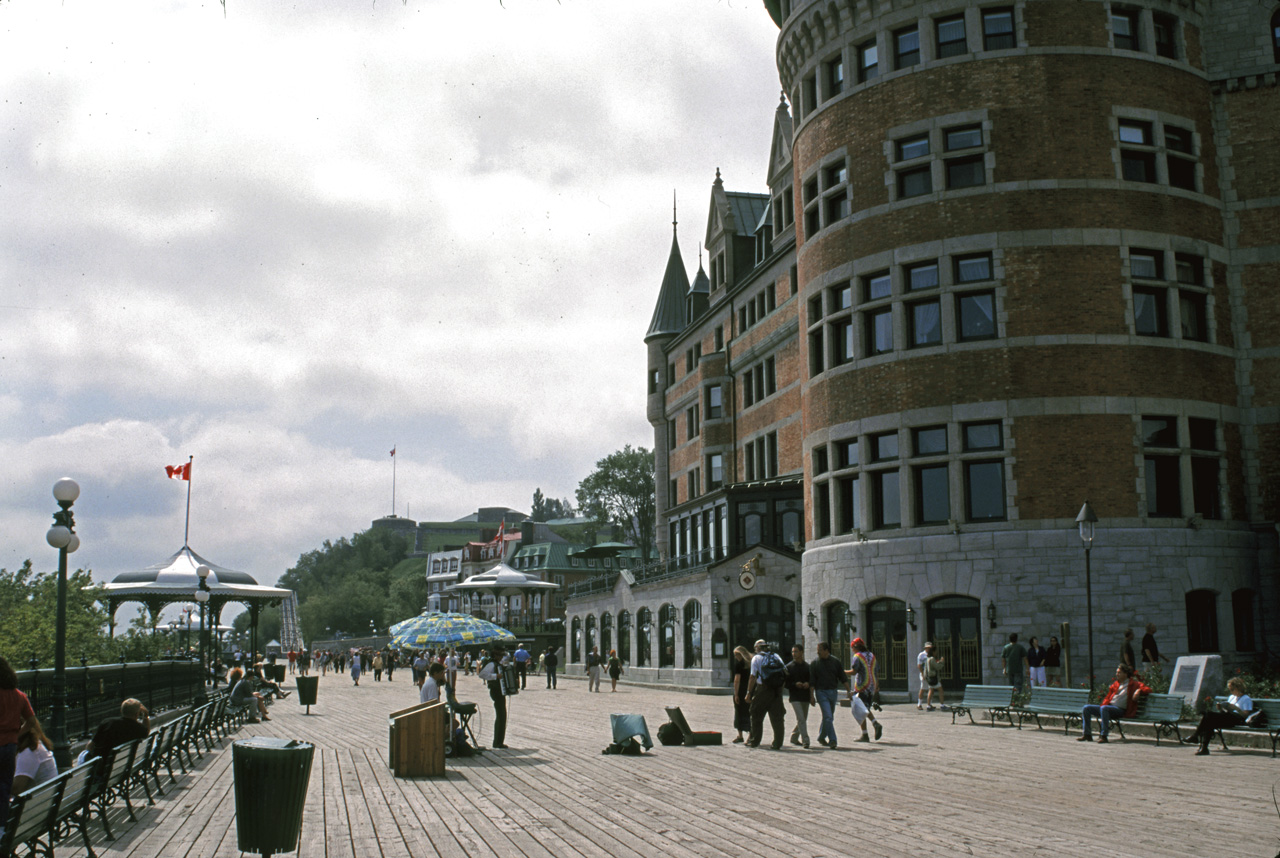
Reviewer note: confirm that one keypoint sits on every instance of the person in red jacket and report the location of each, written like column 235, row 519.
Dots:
column 1121, row 702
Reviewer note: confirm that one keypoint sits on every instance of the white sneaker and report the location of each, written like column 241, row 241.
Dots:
column 920, row 706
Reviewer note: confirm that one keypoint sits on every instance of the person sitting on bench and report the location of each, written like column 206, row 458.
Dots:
column 134, row 723
column 261, row 679
column 242, row 695
column 1230, row 714
column 1121, row 702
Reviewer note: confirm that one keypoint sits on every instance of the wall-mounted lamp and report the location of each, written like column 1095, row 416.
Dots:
column 849, row 618
column 813, row 622
column 911, row 617
column 715, row 607
column 991, row 614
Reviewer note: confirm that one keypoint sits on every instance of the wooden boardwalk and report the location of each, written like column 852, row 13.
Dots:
column 928, row 788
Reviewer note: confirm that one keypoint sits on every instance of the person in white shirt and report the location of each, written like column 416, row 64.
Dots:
column 35, row 763
column 489, row 673
column 1230, row 714
column 431, row 685
column 451, row 668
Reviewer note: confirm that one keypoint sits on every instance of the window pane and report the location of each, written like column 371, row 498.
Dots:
column 997, row 29
column 984, row 487
column 1178, row 139
column 973, row 268
column 880, row 332
column 888, row 499
column 884, row 446
column 842, row 340
column 933, row 502
column 1166, row 41
column 907, row 47
column 931, row 441
column 966, row 173
column 868, row 66
column 1149, row 313
column 1202, row 621
column 977, row 316
column 837, row 208
column 926, row 323
column 1159, row 432
column 878, row 286
column 913, row 147
column 847, row 453
column 849, row 518
column 1193, row 305
column 1135, row 132
column 821, row 510
column 819, row 460
column 1124, row 27
column 1182, row 173
column 1203, row 432
column 1190, row 269
column 963, row 138
column 1204, row 487
column 951, row 41
column 835, row 77
column 915, row 183
column 1145, row 264
column 1138, row 166
column 835, row 175
column 983, row 436
column 922, row 276
column 1163, row 495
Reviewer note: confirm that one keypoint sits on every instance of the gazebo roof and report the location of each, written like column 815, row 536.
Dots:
column 175, row 580
column 502, row 578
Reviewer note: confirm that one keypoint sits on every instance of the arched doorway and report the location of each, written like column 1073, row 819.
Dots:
column 644, row 636
column 624, row 637
column 838, row 630
column 772, row 618
column 887, row 637
column 606, row 634
column 956, row 631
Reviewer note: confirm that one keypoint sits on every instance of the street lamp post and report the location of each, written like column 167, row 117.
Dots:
column 202, row 596
column 1086, row 520
column 62, row 536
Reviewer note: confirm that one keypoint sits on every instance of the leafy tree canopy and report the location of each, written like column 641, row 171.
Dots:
column 620, row 492
column 545, row 509
column 28, row 617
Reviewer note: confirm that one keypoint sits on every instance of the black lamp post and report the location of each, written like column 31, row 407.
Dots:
column 62, row 536
column 202, row 596
column 1086, row 520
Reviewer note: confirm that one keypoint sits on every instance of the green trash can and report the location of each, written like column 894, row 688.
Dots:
column 271, row 777
column 307, row 687
column 278, row 670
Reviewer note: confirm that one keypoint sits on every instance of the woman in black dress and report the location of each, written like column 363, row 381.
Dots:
column 741, row 677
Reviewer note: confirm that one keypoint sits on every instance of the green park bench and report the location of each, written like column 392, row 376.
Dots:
column 1065, row 703
column 1163, row 711
column 996, row 699
column 1272, row 728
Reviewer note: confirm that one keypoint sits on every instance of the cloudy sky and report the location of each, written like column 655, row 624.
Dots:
column 284, row 240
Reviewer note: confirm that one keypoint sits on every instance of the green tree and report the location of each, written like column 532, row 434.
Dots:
column 28, row 618
column 545, row 509
column 620, row 492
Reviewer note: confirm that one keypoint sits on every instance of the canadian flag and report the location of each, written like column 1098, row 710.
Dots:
column 393, row 451
column 178, row 472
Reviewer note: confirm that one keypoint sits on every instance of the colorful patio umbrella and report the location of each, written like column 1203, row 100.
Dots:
column 432, row 628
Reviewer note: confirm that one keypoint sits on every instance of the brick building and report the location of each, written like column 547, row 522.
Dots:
column 1012, row 257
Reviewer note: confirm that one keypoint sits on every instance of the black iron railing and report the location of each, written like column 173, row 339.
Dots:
column 95, row 691
column 661, row 570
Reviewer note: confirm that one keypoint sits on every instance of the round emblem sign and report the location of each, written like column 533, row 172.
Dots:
column 747, row 580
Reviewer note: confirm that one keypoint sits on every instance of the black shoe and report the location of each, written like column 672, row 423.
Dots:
column 1085, row 739
column 1203, row 752
column 1102, row 740
column 500, row 747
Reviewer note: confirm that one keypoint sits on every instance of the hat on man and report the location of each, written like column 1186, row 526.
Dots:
column 761, row 642
column 928, row 644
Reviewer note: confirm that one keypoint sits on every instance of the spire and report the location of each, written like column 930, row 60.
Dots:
column 669, row 316
column 674, row 220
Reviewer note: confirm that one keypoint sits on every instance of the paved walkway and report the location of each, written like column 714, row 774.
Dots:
column 928, row 788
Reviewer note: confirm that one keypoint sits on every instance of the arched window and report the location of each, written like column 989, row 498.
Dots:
column 624, row 636
column 1202, row 621
column 1242, row 613
column 591, row 633
column 667, row 641
column 606, row 634
column 1275, row 35
column 838, row 631
column 693, row 633
column 575, row 640
column 644, row 636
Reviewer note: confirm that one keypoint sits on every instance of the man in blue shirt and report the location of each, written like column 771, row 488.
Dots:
column 522, row 663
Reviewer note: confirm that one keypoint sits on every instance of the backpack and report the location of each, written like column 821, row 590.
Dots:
column 669, row 734
column 1256, row 719
column 773, row 672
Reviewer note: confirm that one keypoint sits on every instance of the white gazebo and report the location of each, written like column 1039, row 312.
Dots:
column 503, row 582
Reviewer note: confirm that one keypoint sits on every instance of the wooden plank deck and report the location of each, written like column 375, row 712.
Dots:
column 928, row 788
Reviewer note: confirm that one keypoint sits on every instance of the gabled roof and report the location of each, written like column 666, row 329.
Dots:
column 747, row 210
column 701, row 283
column 669, row 315
column 734, row 212
column 780, row 148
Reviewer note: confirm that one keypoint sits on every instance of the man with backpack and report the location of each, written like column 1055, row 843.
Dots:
column 764, row 691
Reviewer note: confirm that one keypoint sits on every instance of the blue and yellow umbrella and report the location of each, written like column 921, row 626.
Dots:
column 433, row 628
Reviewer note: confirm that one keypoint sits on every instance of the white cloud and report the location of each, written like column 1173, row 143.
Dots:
column 285, row 240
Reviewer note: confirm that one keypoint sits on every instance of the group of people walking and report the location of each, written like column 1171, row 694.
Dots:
column 761, row 678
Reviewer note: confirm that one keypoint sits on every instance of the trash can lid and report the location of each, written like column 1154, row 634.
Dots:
column 271, row 743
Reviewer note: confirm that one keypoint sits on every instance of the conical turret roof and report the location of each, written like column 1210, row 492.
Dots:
column 669, row 314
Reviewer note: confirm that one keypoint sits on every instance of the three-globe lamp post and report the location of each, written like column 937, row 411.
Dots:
column 1085, row 521
column 62, row 536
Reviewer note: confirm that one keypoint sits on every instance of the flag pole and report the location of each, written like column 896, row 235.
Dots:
column 393, row 480
column 186, row 531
